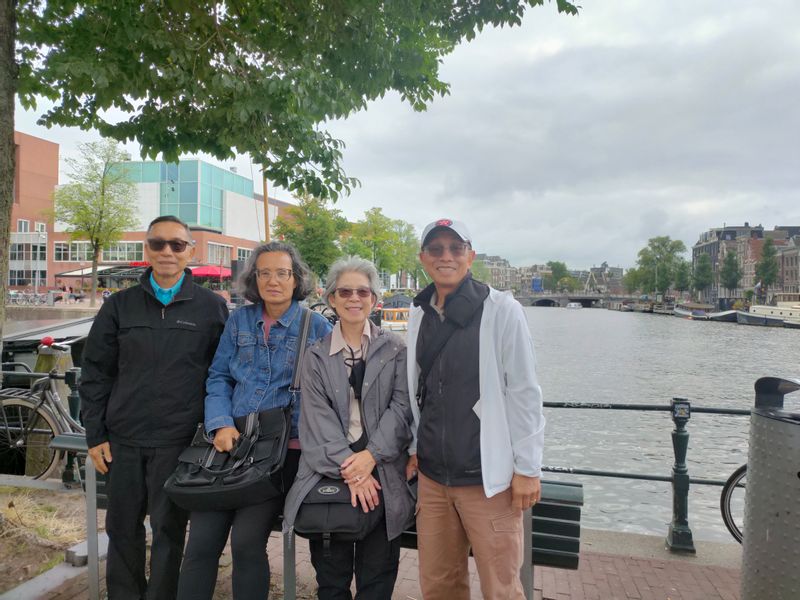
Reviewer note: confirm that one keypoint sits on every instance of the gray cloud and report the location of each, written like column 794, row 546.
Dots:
column 577, row 139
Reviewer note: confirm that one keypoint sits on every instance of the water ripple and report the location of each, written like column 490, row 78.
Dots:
column 606, row 356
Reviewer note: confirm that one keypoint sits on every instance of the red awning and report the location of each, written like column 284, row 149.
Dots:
column 211, row 271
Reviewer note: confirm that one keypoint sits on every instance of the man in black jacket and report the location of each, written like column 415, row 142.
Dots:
column 142, row 391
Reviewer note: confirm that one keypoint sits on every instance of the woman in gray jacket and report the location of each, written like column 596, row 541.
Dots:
column 355, row 425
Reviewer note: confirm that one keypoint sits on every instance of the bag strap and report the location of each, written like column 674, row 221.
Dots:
column 305, row 326
column 426, row 359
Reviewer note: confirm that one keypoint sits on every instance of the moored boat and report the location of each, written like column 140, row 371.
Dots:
column 727, row 316
column 751, row 318
column 574, row 305
column 692, row 310
column 394, row 319
column 788, row 314
column 666, row 308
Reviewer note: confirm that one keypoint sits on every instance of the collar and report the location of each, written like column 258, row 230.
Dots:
column 183, row 287
column 461, row 304
column 338, row 343
column 285, row 319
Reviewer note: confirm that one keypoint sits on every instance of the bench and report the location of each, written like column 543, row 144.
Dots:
column 553, row 525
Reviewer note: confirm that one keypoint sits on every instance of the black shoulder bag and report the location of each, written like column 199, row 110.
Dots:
column 207, row 480
column 326, row 512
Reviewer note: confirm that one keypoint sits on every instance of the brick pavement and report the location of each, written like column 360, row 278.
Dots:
column 606, row 576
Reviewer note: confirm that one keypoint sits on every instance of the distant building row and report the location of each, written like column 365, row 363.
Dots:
column 747, row 242
column 524, row 280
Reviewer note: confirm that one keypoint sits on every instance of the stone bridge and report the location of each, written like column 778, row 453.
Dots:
column 586, row 300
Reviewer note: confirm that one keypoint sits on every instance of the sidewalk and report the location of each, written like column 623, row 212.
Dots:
column 615, row 566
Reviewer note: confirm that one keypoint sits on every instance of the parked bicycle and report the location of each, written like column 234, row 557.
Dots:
column 27, row 298
column 31, row 418
column 731, row 502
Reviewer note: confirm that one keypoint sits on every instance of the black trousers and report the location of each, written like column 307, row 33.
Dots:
column 374, row 560
column 135, row 481
column 249, row 528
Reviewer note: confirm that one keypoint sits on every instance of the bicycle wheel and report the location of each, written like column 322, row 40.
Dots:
column 731, row 502
column 326, row 311
column 25, row 436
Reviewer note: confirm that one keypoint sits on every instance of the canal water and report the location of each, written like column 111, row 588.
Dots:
column 596, row 355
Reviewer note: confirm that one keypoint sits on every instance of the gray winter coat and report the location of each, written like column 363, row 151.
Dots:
column 324, row 418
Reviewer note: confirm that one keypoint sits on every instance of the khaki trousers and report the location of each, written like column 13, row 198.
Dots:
column 450, row 521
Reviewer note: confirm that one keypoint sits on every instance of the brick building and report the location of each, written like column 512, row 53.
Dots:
column 35, row 178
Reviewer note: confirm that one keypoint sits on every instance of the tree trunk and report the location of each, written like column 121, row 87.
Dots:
column 95, row 260
column 8, row 88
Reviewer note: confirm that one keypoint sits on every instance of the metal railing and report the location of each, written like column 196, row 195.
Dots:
column 679, row 534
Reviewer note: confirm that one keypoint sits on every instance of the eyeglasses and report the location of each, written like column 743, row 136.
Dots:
column 457, row 249
column 361, row 292
column 177, row 246
column 279, row 274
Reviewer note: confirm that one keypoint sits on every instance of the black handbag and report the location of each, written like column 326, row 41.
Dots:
column 206, row 479
column 326, row 512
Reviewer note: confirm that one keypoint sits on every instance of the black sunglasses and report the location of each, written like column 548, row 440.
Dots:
column 361, row 292
column 177, row 246
column 456, row 249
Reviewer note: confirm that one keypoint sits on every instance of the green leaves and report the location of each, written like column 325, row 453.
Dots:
column 703, row 275
column 767, row 268
column 248, row 77
column 658, row 262
column 731, row 273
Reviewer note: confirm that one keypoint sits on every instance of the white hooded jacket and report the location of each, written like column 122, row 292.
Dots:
column 510, row 403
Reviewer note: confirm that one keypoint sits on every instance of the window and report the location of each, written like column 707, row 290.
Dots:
column 124, row 252
column 219, row 254
column 21, row 277
column 23, row 226
column 243, row 254
column 41, row 227
column 60, row 251
column 72, row 252
column 28, row 252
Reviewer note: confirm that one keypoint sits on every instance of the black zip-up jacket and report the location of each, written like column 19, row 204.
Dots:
column 449, row 433
column 144, row 367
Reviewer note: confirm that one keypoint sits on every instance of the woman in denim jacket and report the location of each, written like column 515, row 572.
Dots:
column 251, row 371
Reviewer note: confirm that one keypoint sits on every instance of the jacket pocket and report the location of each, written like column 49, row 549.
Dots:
column 245, row 348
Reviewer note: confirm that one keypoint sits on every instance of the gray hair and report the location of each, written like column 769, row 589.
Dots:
column 248, row 286
column 351, row 264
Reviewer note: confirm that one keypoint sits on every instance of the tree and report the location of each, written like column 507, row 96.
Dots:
column 683, row 276
column 99, row 204
column 703, row 276
column 378, row 234
column 407, row 244
column 730, row 274
column 480, row 271
column 657, row 263
column 206, row 76
column 631, row 280
column 767, row 267
column 313, row 228
column 569, row 284
column 558, row 271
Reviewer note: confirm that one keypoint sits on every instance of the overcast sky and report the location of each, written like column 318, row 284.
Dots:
column 578, row 138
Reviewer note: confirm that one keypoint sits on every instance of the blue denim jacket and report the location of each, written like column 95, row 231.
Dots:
column 250, row 375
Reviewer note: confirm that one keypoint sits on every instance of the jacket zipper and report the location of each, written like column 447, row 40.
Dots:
column 444, row 424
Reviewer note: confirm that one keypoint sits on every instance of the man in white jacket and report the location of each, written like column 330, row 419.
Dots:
column 478, row 423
